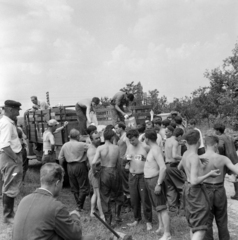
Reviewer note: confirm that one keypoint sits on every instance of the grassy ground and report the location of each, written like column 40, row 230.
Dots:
column 179, row 227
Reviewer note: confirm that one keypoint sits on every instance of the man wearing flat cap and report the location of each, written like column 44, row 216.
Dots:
column 10, row 158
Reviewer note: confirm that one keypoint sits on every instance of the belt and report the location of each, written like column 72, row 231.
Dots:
column 214, row 184
column 133, row 174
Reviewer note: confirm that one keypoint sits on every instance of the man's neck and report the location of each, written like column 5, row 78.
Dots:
column 47, row 189
column 107, row 142
column 193, row 148
column 8, row 115
column 210, row 150
column 174, row 138
column 122, row 132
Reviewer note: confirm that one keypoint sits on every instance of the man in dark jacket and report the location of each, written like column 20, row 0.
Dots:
column 41, row 216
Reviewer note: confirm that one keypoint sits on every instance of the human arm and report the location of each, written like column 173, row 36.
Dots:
column 95, row 160
column 162, row 170
column 231, row 166
column 175, row 154
column 194, row 173
column 180, row 166
column 60, row 128
column 61, row 157
column 67, row 225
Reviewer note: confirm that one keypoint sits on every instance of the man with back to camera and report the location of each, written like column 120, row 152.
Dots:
column 109, row 156
column 10, row 158
column 136, row 154
column 196, row 202
column 83, row 109
column 40, row 216
column 215, row 188
column 226, row 147
column 118, row 101
column 174, row 178
column 74, row 153
column 154, row 173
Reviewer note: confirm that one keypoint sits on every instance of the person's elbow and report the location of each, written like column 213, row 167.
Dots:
column 163, row 169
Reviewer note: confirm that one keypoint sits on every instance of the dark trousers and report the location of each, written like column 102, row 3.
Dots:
column 110, row 183
column 174, row 182
column 139, row 195
column 25, row 162
column 117, row 115
column 218, row 209
column 78, row 179
column 82, row 119
column 125, row 178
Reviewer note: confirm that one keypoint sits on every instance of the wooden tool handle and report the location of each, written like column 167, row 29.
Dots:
column 107, row 225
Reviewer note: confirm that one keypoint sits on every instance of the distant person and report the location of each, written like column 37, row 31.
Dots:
column 49, row 141
column 149, row 124
column 83, row 109
column 196, row 203
column 118, row 102
column 191, row 126
column 215, row 188
column 164, row 124
column 39, row 105
column 110, row 182
column 136, row 154
column 154, row 173
column 174, row 178
column 74, row 153
column 10, row 158
column 226, row 147
column 40, row 216
column 94, row 179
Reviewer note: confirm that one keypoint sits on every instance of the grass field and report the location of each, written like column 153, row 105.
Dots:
column 179, row 227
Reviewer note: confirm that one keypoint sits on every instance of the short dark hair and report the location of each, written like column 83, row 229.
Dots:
column 91, row 128
column 178, row 120
column 96, row 100
column 35, row 97
column 141, row 128
column 121, row 125
column 74, row 133
column 173, row 124
column 132, row 133
column 219, row 127
column 178, row 132
column 157, row 121
column 192, row 137
column 130, row 96
column 170, row 128
column 108, row 134
column 166, row 122
column 151, row 135
column 192, row 122
column 51, row 173
column 211, row 140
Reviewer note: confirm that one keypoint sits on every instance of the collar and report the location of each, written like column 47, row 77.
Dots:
column 44, row 190
column 8, row 119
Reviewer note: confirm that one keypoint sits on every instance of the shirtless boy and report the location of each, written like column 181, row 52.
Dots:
column 94, row 180
column 136, row 154
column 215, row 188
column 196, row 201
column 154, row 173
column 174, row 178
column 110, row 182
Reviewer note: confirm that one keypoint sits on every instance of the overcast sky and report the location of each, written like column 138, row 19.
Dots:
column 76, row 49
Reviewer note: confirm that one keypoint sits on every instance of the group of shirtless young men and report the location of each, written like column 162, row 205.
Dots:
column 153, row 174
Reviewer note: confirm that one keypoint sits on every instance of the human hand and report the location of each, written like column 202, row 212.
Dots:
column 126, row 116
column 215, row 173
column 157, row 189
column 66, row 123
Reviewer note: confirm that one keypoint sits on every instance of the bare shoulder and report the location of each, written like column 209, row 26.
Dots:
column 146, row 147
column 156, row 150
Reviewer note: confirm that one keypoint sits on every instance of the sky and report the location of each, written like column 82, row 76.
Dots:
column 78, row 49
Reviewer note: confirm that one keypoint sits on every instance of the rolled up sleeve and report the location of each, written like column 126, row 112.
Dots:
column 5, row 135
column 66, row 226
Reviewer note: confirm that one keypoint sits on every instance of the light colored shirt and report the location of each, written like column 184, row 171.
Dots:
column 41, row 105
column 8, row 135
column 73, row 151
column 201, row 138
column 48, row 141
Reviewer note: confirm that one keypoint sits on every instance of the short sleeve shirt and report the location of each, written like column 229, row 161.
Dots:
column 48, row 141
column 8, row 135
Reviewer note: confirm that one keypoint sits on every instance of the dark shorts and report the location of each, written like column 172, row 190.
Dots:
column 197, row 207
column 157, row 201
column 94, row 181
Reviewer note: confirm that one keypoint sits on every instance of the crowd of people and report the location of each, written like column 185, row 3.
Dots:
column 160, row 165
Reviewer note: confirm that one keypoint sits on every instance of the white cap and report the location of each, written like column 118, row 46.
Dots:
column 52, row 122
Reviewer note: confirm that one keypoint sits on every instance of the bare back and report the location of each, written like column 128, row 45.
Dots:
column 91, row 153
column 170, row 145
column 109, row 155
column 216, row 161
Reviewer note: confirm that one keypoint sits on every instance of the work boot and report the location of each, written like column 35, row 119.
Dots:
column 8, row 209
column 118, row 213
column 235, row 197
